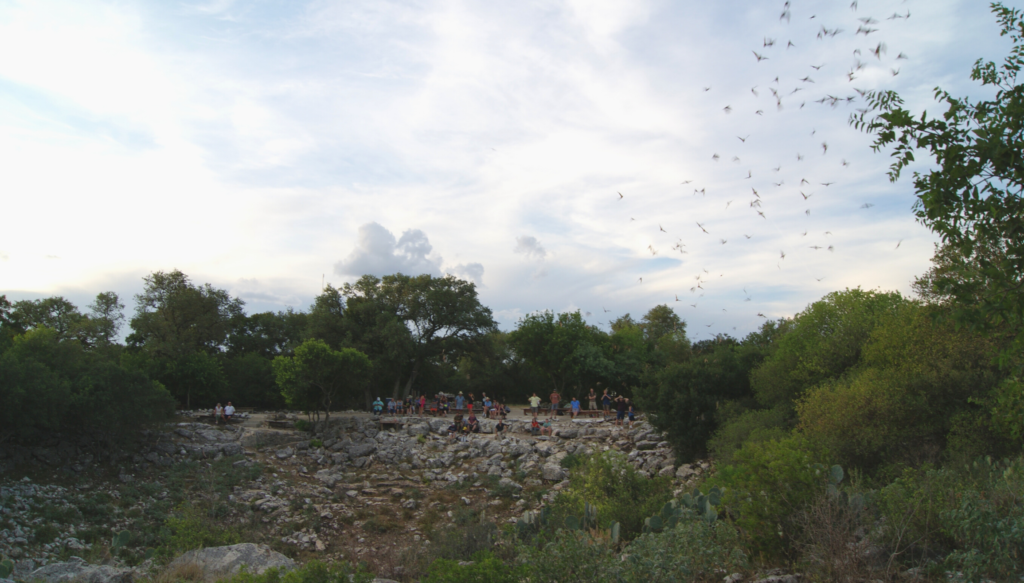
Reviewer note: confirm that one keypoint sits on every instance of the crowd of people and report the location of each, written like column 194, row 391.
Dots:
column 442, row 404
column 466, row 422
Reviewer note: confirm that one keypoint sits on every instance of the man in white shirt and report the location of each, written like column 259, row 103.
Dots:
column 229, row 411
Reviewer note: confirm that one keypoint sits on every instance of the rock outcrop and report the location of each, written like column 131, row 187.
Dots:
column 222, row 561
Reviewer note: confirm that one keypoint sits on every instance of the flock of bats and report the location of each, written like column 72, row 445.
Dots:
column 785, row 93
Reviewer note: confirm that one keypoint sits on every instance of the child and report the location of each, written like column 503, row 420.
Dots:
column 631, row 413
column 535, row 426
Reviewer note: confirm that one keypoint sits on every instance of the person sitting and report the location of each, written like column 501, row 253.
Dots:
column 453, row 431
column 546, row 428
column 378, row 406
column 392, row 406
column 229, row 412
column 474, row 425
column 499, row 429
column 218, row 413
column 534, row 426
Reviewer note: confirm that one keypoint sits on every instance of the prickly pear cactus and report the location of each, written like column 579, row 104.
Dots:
column 121, row 539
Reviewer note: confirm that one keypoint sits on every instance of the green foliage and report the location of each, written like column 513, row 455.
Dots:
column 971, row 197
column 1007, row 409
column 753, row 426
column 825, row 341
column 318, row 377
column 692, row 550
column 899, row 404
column 192, row 527
column 485, row 568
column 617, row 492
column 311, row 572
column 973, row 515
column 766, row 486
column 567, row 556
column 682, row 398
column 121, row 539
column 565, row 349
column 6, row 568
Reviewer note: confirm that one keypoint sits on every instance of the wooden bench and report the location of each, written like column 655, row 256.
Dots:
column 244, row 409
column 213, row 420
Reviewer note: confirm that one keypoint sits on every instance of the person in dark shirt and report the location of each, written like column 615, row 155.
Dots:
column 620, row 409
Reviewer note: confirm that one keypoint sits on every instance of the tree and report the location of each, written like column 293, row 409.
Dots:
column 175, row 318
column 973, row 199
column 824, row 341
column 564, row 348
column 56, row 313
column 318, row 377
column 684, row 397
column 442, row 315
column 107, row 317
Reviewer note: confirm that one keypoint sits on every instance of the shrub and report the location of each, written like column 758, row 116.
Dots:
column 620, row 493
column 767, row 486
column 695, row 549
column 460, row 543
column 311, row 572
column 485, row 568
column 749, row 426
column 567, row 555
column 972, row 515
column 192, row 528
column 830, row 547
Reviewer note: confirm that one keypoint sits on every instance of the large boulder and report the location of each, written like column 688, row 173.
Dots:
column 78, row 570
column 221, row 561
column 552, row 472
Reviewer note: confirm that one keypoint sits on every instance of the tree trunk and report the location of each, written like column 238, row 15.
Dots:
column 412, row 376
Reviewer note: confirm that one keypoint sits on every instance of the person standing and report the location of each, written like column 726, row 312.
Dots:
column 423, row 404
column 620, row 409
column 575, row 407
column 460, row 402
column 606, row 402
column 534, row 404
column 555, row 398
column 631, row 413
column 592, row 398
column 469, row 403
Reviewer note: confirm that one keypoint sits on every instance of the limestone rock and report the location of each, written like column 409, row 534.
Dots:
column 220, row 561
column 81, row 572
column 552, row 472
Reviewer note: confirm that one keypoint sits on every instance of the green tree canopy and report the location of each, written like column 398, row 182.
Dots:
column 175, row 318
column 318, row 377
column 973, row 198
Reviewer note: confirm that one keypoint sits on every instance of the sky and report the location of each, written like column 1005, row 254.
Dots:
column 596, row 155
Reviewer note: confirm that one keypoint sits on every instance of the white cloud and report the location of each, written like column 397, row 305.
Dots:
column 470, row 271
column 378, row 253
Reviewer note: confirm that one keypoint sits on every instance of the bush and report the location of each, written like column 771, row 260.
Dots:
column 567, row 555
column 620, row 493
column 192, row 528
column 693, row 548
column 972, row 515
column 311, row 572
column 750, row 426
column 767, row 486
column 485, row 568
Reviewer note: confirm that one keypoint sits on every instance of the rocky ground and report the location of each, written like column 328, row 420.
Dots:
column 353, row 491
